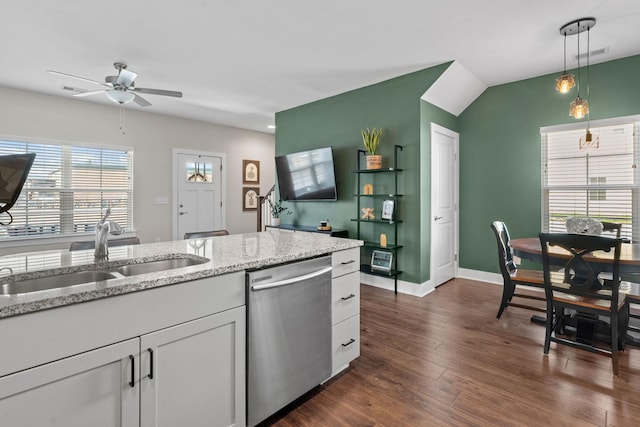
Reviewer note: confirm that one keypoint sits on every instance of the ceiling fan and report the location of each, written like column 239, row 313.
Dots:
column 120, row 89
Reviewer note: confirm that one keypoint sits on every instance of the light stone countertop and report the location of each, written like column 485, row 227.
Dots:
column 226, row 254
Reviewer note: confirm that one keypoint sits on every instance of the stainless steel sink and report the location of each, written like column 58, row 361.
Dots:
column 53, row 282
column 153, row 266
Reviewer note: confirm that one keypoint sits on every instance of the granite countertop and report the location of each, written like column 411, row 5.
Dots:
column 225, row 254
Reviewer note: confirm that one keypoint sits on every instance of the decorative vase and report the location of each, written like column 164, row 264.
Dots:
column 374, row 162
column 275, row 222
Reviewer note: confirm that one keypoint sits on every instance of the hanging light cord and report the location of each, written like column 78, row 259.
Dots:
column 565, row 53
column 588, row 74
column 579, row 75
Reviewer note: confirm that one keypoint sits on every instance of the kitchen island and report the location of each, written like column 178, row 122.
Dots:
column 144, row 349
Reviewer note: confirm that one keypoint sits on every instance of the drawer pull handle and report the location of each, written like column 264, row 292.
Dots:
column 150, row 363
column 348, row 297
column 348, row 262
column 348, row 343
column 132, row 383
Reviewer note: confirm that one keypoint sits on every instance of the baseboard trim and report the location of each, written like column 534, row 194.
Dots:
column 409, row 288
column 483, row 276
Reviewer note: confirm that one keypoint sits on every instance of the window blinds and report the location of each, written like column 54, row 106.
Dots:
column 600, row 183
column 68, row 189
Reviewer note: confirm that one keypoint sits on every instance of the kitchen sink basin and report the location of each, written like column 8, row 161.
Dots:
column 53, row 282
column 154, row 266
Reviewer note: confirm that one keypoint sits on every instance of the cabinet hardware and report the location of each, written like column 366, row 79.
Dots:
column 132, row 383
column 348, row 343
column 348, row 262
column 150, row 376
column 348, row 297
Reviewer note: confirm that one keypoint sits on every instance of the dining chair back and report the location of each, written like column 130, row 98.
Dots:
column 612, row 227
column 91, row 244
column 201, row 234
column 580, row 288
column 513, row 276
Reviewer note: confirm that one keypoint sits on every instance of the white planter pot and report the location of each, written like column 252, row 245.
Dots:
column 275, row 221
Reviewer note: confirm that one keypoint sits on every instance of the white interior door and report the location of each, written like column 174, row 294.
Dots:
column 444, row 202
column 199, row 193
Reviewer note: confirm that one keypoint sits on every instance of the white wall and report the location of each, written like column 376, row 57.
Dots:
column 153, row 136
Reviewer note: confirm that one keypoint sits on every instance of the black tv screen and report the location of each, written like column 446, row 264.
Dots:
column 307, row 175
column 13, row 173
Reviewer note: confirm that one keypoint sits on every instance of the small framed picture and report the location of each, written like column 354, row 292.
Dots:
column 250, row 198
column 387, row 209
column 381, row 260
column 251, row 172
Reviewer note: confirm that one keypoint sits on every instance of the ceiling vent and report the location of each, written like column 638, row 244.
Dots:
column 593, row 53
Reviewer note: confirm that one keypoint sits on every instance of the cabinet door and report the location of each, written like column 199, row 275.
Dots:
column 90, row 389
column 193, row 374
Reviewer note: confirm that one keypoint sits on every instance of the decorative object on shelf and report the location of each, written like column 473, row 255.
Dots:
column 371, row 140
column 368, row 189
column 381, row 260
column 579, row 107
column 324, row 226
column 367, row 213
column 251, row 172
column 383, row 240
column 277, row 210
column 387, row 209
column 250, row 198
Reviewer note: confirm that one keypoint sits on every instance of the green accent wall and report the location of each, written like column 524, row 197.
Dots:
column 500, row 173
column 395, row 106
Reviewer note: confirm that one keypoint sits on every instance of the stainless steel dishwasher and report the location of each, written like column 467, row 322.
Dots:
column 288, row 335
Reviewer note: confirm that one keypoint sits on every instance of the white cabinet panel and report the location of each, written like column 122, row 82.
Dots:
column 96, row 388
column 345, row 295
column 346, row 261
column 345, row 343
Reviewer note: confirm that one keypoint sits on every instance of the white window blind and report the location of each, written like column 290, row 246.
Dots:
column 600, row 183
column 68, row 189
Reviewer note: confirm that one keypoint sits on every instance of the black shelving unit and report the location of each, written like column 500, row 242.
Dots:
column 377, row 198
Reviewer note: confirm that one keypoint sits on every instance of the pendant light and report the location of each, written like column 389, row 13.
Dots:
column 588, row 140
column 566, row 81
column 579, row 107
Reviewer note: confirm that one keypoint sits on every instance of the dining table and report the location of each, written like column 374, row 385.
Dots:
column 529, row 248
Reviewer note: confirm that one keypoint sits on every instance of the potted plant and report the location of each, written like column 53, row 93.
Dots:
column 371, row 140
column 277, row 210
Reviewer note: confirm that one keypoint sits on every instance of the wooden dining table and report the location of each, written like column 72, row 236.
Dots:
column 529, row 248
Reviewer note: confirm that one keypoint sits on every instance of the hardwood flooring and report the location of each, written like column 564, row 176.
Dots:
column 445, row 360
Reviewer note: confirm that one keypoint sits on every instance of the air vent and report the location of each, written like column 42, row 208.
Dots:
column 593, row 53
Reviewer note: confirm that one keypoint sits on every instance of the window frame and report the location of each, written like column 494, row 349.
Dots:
column 53, row 239
column 635, row 187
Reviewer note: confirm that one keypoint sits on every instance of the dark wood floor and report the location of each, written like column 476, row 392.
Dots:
column 445, row 360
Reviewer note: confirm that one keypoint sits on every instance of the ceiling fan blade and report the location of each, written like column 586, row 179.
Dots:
column 158, row 92
column 89, row 92
column 140, row 100
column 126, row 78
column 58, row 73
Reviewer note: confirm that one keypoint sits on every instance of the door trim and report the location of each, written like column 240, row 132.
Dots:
column 174, row 186
column 435, row 128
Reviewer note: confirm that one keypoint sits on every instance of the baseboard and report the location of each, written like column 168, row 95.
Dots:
column 409, row 288
column 482, row 276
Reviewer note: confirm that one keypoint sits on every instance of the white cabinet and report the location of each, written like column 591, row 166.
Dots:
column 345, row 309
column 96, row 388
column 169, row 356
column 194, row 374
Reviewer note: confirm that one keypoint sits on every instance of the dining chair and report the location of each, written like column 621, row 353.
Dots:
column 91, row 244
column 612, row 227
column 513, row 276
column 201, row 234
column 580, row 289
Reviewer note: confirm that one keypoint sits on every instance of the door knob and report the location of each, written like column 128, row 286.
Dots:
column 435, row 218
column 182, row 213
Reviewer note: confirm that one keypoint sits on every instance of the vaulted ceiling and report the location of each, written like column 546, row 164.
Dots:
column 238, row 62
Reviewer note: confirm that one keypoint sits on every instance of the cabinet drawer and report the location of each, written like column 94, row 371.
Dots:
column 345, row 296
column 345, row 343
column 346, row 261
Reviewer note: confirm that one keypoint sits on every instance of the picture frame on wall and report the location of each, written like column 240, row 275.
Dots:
column 387, row 209
column 381, row 260
column 250, row 198
column 251, row 172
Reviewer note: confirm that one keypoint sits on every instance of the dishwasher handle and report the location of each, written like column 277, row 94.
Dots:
column 292, row 280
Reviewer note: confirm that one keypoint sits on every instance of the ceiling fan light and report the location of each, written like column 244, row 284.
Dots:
column 565, row 82
column 120, row 96
column 579, row 108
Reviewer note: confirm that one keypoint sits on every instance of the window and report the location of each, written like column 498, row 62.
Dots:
column 600, row 183
column 68, row 189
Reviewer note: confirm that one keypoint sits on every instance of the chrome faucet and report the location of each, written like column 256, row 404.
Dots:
column 103, row 229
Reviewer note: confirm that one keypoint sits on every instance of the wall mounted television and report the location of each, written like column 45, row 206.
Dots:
column 307, row 175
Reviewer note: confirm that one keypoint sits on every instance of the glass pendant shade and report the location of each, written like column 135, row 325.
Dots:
column 120, row 96
column 579, row 108
column 565, row 82
column 589, row 140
